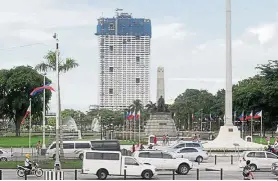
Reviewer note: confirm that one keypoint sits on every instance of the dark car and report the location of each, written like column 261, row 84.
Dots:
column 106, row 145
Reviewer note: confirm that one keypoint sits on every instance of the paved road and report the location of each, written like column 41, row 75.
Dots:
column 220, row 157
column 204, row 175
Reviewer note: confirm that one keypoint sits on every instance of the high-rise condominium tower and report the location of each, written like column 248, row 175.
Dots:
column 124, row 46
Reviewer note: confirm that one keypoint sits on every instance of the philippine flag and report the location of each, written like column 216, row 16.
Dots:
column 26, row 114
column 258, row 115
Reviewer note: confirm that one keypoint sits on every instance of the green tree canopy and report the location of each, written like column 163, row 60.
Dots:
column 16, row 85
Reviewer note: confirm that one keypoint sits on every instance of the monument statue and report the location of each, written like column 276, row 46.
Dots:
column 161, row 105
column 161, row 121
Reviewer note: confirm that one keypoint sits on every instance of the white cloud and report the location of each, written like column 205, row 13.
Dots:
column 265, row 32
column 174, row 31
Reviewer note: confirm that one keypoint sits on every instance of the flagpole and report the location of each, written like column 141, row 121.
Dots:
column 129, row 124
column 261, row 126
column 242, row 124
column 234, row 117
column 43, row 114
column 251, row 124
column 30, row 123
column 123, row 128
column 210, row 122
column 139, row 121
column 134, row 125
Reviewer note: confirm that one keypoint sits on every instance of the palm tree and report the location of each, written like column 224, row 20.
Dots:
column 49, row 64
column 136, row 105
column 151, row 107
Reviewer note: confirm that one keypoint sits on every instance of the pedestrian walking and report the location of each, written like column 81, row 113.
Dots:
column 38, row 147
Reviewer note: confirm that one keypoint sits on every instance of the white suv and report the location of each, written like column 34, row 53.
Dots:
column 258, row 159
column 164, row 161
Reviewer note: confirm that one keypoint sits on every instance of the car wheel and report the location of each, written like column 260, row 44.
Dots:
column 199, row 159
column 102, row 174
column 147, row 174
column 81, row 156
column 253, row 167
column 183, row 169
column 3, row 159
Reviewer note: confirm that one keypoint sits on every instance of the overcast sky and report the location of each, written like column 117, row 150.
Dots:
column 188, row 40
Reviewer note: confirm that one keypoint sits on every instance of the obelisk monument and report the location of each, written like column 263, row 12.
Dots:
column 160, row 83
column 229, row 136
column 229, row 74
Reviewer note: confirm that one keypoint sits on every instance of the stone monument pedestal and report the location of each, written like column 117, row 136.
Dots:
column 228, row 137
column 161, row 123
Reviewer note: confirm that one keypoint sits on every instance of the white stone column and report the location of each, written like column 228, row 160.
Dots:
column 228, row 94
column 160, row 83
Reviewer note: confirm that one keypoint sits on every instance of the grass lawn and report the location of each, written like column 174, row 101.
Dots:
column 18, row 142
column 258, row 140
column 67, row 164
column 12, row 141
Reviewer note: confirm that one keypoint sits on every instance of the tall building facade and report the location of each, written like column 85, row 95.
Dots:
column 124, row 54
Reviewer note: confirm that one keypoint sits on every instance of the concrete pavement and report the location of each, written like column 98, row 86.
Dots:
column 192, row 175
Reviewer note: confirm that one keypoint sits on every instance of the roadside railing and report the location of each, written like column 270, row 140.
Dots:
column 76, row 174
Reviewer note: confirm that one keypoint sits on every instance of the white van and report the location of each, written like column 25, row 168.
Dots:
column 104, row 163
column 72, row 149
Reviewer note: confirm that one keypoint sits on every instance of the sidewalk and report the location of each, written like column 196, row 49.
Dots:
column 225, row 166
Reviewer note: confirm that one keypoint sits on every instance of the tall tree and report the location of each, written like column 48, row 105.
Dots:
column 15, row 87
column 192, row 101
column 137, row 105
column 150, row 107
column 49, row 64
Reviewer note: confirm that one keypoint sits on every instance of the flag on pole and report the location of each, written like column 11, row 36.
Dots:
column 241, row 117
column 26, row 114
column 250, row 116
column 131, row 116
column 258, row 115
column 127, row 114
column 40, row 89
column 138, row 115
column 210, row 117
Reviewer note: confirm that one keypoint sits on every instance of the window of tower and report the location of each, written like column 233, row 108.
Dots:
column 111, row 69
column 137, row 59
column 111, row 48
column 111, row 26
column 110, row 91
column 137, row 80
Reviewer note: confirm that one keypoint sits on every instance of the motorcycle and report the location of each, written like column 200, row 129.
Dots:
column 21, row 170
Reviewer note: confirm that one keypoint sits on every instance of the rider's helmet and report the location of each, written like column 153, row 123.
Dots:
column 247, row 162
column 27, row 156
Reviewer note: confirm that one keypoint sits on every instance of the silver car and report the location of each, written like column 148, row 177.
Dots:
column 5, row 155
column 274, row 168
column 191, row 153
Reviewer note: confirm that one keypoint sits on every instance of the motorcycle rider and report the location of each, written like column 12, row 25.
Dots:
column 247, row 171
column 27, row 162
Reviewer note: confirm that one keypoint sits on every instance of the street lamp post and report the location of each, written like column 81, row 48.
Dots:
column 57, row 164
column 111, row 131
column 43, row 114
